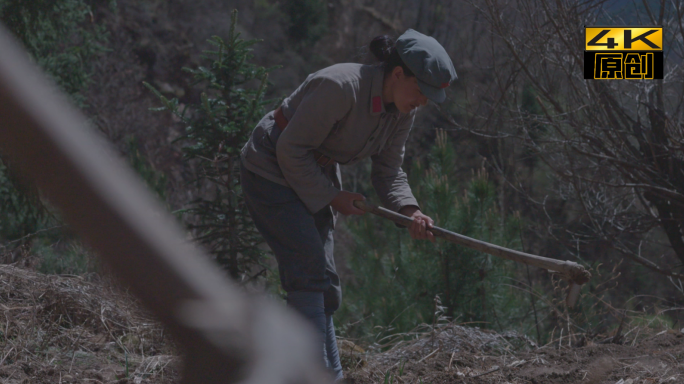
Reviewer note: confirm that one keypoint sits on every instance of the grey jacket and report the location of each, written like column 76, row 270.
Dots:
column 339, row 112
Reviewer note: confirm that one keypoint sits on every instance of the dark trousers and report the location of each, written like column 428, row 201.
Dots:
column 303, row 246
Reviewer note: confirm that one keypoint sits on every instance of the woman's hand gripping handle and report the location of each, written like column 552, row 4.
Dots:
column 344, row 203
column 419, row 224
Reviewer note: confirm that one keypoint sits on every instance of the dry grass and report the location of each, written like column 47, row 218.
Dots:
column 450, row 352
column 66, row 329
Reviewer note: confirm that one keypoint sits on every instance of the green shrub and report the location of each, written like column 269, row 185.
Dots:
column 400, row 283
column 60, row 36
column 308, row 20
column 155, row 180
column 21, row 213
column 216, row 130
column 73, row 260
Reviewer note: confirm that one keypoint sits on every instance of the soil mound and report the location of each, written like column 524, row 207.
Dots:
column 451, row 353
column 65, row 329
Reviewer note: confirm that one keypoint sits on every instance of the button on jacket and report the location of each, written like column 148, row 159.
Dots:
column 339, row 112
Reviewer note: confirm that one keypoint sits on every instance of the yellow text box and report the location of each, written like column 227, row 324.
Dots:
column 624, row 38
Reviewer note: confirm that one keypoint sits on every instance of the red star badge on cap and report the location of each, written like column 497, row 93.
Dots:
column 444, row 85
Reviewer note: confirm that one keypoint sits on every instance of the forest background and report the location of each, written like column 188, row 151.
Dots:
column 524, row 153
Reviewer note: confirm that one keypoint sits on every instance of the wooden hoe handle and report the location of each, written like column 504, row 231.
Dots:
column 569, row 270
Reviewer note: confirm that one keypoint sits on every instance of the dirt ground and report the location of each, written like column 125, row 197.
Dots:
column 72, row 329
column 457, row 354
column 66, row 329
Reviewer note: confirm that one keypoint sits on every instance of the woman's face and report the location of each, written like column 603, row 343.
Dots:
column 406, row 93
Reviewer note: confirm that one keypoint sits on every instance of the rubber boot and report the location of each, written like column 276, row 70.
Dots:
column 331, row 349
column 310, row 305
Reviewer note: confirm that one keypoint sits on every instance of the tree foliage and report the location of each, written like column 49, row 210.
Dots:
column 216, row 129
column 60, row 37
column 21, row 213
column 400, row 282
column 308, row 20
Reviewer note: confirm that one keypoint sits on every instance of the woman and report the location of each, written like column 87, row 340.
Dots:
column 290, row 174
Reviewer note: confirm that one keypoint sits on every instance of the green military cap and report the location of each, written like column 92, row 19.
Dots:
column 428, row 60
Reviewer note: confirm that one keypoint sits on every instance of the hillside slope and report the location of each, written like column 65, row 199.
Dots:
column 65, row 329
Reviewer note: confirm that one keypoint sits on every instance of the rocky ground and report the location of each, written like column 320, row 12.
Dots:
column 75, row 329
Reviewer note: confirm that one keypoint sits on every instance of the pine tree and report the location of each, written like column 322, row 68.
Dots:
column 216, row 130
column 399, row 282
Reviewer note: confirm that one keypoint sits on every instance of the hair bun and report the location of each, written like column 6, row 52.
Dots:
column 381, row 47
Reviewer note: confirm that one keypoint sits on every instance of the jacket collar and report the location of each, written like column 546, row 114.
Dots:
column 377, row 104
